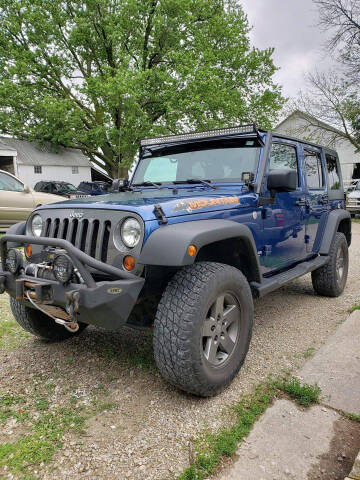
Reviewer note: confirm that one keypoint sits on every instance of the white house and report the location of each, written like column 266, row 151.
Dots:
column 30, row 163
column 302, row 125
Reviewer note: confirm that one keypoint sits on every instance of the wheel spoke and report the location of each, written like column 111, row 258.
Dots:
column 208, row 327
column 226, row 343
column 211, row 349
column 231, row 314
column 218, row 307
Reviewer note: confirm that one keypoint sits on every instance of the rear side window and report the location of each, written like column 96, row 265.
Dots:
column 314, row 173
column 333, row 172
column 283, row 156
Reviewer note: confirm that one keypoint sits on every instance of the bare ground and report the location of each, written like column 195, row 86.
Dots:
column 137, row 426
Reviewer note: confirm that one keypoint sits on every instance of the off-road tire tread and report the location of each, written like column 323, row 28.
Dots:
column 39, row 324
column 324, row 278
column 172, row 326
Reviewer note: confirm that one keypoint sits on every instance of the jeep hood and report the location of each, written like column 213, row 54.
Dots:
column 174, row 203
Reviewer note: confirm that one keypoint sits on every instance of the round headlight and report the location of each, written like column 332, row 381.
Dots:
column 63, row 268
column 36, row 225
column 131, row 232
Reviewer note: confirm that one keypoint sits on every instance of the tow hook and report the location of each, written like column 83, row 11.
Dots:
column 72, row 308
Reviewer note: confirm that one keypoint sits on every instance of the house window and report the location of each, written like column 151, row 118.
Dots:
column 74, row 169
column 37, row 169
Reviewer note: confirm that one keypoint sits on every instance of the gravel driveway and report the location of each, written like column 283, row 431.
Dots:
column 136, row 426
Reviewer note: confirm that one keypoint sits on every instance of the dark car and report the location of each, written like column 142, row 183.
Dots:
column 209, row 221
column 64, row 189
column 94, row 188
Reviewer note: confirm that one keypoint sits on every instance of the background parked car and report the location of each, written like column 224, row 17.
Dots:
column 353, row 199
column 17, row 200
column 351, row 187
column 65, row 189
column 94, row 188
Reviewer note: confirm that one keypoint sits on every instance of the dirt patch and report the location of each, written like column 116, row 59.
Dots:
column 337, row 463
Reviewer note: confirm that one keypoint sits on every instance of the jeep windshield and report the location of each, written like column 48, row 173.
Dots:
column 210, row 162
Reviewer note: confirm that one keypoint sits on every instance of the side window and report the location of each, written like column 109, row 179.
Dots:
column 314, row 172
column 46, row 188
column 333, row 172
column 10, row 184
column 162, row 170
column 283, row 156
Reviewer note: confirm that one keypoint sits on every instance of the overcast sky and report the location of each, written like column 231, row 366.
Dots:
column 290, row 27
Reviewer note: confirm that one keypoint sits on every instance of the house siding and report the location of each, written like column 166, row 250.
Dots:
column 60, row 173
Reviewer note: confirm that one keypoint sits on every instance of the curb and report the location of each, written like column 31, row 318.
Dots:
column 355, row 472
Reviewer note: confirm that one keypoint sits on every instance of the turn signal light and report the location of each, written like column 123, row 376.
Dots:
column 28, row 251
column 191, row 250
column 129, row 263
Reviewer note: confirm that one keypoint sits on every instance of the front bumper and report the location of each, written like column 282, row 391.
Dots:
column 105, row 303
column 353, row 208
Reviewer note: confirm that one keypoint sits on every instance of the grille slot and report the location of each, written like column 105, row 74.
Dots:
column 90, row 236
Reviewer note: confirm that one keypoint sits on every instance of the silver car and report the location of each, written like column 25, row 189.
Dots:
column 17, row 200
column 353, row 200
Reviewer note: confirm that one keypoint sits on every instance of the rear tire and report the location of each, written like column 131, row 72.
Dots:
column 203, row 327
column 39, row 324
column 330, row 280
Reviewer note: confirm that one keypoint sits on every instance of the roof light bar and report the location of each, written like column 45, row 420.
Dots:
column 250, row 128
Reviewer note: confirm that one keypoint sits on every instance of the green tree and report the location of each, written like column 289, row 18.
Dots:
column 97, row 75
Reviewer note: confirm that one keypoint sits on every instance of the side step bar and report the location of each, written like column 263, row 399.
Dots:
column 273, row 283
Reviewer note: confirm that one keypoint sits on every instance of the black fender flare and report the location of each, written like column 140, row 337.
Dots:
column 332, row 225
column 167, row 246
column 17, row 229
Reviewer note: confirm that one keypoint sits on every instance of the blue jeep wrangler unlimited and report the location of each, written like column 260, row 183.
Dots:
column 209, row 221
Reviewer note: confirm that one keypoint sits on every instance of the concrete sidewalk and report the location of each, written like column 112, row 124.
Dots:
column 301, row 444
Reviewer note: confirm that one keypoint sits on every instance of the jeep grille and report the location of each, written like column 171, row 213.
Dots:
column 89, row 235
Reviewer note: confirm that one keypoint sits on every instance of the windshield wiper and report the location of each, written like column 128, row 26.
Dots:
column 196, row 180
column 147, row 184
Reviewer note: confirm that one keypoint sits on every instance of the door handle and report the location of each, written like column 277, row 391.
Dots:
column 302, row 202
column 324, row 199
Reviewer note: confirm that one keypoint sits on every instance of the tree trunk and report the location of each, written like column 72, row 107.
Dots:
column 119, row 172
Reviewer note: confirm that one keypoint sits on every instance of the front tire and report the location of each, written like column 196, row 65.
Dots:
column 330, row 280
column 203, row 327
column 39, row 324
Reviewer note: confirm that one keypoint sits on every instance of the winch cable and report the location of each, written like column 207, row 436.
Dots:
column 59, row 321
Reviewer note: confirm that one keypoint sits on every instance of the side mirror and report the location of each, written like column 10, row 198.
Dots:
column 27, row 189
column 282, row 180
column 119, row 185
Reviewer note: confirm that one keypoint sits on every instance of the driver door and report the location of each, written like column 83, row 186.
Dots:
column 15, row 204
column 284, row 219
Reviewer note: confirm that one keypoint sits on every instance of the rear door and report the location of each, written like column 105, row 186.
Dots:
column 317, row 197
